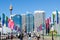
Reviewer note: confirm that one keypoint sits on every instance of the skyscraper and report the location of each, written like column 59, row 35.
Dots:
column 30, row 23
column 39, row 18
column 23, row 22
column 17, row 21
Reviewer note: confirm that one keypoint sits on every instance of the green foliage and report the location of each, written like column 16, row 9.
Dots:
column 54, row 32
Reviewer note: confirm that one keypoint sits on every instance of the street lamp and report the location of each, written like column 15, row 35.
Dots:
column 52, row 29
column 43, row 31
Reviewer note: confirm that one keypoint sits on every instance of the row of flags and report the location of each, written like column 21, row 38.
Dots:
column 55, row 16
column 48, row 22
column 45, row 26
column 9, row 23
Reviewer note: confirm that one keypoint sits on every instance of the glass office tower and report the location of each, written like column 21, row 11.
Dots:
column 18, row 21
column 30, row 23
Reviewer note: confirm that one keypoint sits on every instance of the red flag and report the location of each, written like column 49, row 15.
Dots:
column 49, row 20
column 47, row 23
column 10, row 23
column 40, row 27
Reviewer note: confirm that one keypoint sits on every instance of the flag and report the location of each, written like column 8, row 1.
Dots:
column 49, row 19
column 0, row 19
column 40, row 27
column 6, row 21
column 47, row 26
column 45, row 21
column 53, row 18
column 57, row 17
column 15, row 27
column 3, row 19
column 10, row 23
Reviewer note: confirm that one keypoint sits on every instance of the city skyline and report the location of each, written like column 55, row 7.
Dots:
column 30, row 19
column 22, row 6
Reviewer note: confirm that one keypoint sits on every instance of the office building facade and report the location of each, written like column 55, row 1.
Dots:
column 39, row 18
column 30, row 23
column 17, row 21
column 23, row 22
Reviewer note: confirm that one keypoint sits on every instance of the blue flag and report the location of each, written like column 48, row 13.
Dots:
column 57, row 16
column 15, row 27
column 3, row 19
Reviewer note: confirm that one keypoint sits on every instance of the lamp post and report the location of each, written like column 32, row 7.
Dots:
column 43, row 31
column 52, row 29
column 43, row 34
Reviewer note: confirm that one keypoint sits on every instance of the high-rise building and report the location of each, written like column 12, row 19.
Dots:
column 39, row 18
column 30, row 23
column 17, row 21
column 23, row 22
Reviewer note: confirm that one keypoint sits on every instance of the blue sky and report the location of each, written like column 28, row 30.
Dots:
column 21, row 6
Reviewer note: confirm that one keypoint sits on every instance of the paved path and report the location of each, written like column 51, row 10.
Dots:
column 35, row 38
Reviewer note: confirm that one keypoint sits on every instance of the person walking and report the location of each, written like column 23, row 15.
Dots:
column 21, row 36
column 29, row 36
column 11, row 37
column 38, row 37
